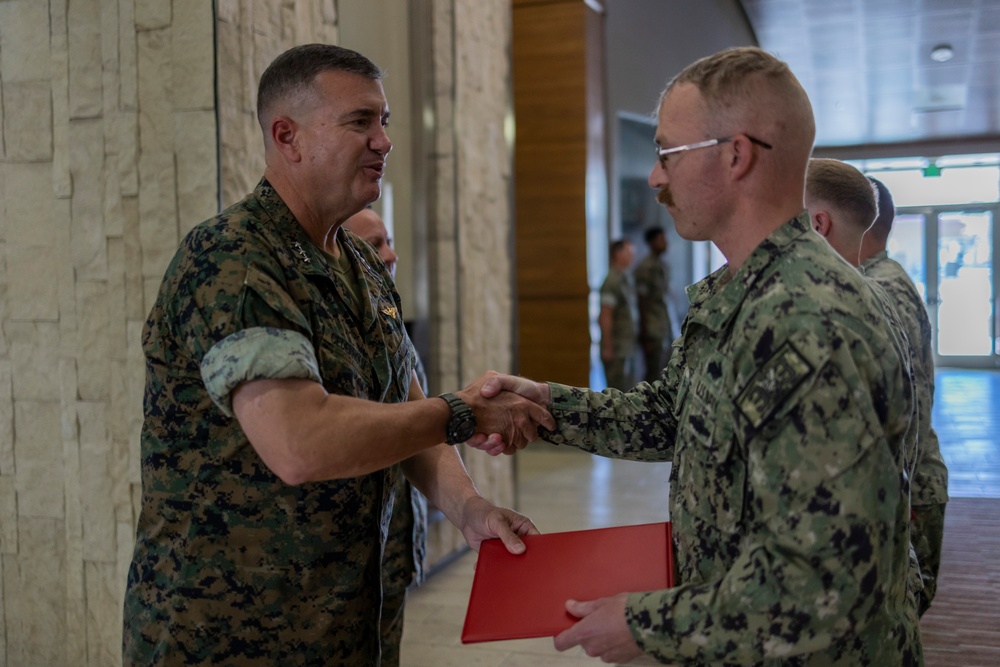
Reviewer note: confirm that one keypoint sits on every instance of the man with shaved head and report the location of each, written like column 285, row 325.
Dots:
column 855, row 214
column 784, row 409
column 281, row 404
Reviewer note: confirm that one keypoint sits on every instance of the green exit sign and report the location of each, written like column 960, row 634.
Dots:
column 931, row 170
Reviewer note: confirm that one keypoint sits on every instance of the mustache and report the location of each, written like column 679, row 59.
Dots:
column 665, row 197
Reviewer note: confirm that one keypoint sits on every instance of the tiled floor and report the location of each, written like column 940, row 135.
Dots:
column 563, row 489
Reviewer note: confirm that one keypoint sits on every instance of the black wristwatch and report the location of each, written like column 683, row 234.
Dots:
column 462, row 424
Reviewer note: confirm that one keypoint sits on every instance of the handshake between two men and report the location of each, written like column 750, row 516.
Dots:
column 508, row 410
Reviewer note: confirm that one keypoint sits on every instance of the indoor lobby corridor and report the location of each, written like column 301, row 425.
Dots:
column 564, row 489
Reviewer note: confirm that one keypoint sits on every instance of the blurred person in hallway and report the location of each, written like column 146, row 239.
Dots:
column 785, row 410
column 406, row 544
column 855, row 214
column 617, row 317
column 652, row 288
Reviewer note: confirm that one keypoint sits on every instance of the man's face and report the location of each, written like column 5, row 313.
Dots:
column 368, row 225
column 686, row 182
column 624, row 256
column 343, row 143
column 658, row 244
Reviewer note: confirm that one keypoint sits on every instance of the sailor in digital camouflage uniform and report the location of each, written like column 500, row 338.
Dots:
column 274, row 404
column 617, row 317
column 855, row 215
column 784, row 409
column 406, row 544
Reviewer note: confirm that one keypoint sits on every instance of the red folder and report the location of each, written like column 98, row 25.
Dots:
column 516, row 597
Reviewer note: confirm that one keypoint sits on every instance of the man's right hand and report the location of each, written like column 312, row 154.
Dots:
column 506, row 420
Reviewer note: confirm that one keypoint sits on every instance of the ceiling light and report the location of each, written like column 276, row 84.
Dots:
column 942, row 53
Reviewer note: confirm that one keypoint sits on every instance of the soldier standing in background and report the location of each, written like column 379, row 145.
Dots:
column 652, row 287
column 617, row 318
column 855, row 215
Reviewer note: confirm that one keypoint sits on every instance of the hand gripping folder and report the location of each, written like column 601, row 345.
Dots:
column 516, row 597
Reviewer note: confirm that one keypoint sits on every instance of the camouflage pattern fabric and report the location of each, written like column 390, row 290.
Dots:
column 785, row 410
column 652, row 283
column 232, row 566
column 405, row 553
column 929, row 489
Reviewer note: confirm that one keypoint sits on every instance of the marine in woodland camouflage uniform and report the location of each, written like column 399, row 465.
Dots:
column 277, row 365
column 652, row 285
column 224, row 547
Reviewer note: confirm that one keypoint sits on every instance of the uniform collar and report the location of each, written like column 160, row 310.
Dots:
column 717, row 298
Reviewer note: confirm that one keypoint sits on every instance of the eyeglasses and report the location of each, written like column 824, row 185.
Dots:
column 663, row 153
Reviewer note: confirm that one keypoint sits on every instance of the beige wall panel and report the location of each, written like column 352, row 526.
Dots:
column 34, row 600
column 116, row 315
column 8, row 516
column 105, row 592
column 6, row 418
column 28, row 123
column 93, row 355
column 197, row 167
column 152, row 14
column 85, row 72
column 97, row 480
column 25, row 56
column 33, row 294
column 38, row 459
column 134, row 302
column 136, row 365
column 193, row 43
column 76, row 597
column 34, row 357
column 156, row 121
column 157, row 213
column 87, row 235
column 128, row 56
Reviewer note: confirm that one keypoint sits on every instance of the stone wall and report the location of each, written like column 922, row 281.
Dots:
column 111, row 148
column 108, row 155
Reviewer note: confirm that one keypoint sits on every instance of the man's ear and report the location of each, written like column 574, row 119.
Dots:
column 742, row 156
column 822, row 223
column 284, row 135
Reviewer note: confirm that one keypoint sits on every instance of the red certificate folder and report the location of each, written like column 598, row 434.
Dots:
column 516, row 597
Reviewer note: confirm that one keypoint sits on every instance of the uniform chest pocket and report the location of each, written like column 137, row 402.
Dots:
column 710, row 462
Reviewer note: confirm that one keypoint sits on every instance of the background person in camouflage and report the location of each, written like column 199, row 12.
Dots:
column 617, row 317
column 855, row 215
column 280, row 398
column 784, row 409
column 652, row 286
column 406, row 544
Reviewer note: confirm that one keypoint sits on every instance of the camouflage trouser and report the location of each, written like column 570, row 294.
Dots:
column 402, row 564
column 927, row 534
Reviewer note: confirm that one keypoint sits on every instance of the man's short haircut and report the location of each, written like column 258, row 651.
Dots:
column 295, row 69
column 841, row 185
column 886, row 212
column 744, row 85
column 652, row 233
column 617, row 246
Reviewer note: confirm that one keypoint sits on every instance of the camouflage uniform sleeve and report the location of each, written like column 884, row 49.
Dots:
column 237, row 322
column 609, row 291
column 813, row 564
column 254, row 353
column 638, row 425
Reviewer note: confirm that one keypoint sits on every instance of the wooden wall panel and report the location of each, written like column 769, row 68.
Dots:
column 559, row 154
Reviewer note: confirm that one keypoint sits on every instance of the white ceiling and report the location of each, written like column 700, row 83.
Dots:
column 867, row 69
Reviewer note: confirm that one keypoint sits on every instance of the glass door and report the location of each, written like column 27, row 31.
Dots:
column 949, row 253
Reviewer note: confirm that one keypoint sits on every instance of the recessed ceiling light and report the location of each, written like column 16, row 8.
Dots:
column 942, row 53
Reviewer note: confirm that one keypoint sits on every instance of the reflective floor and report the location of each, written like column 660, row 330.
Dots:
column 564, row 489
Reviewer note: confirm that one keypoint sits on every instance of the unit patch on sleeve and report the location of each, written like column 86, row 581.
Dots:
column 772, row 383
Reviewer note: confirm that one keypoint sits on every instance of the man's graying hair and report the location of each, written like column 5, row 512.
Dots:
column 294, row 70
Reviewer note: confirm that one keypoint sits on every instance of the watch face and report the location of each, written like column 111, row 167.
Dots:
column 465, row 427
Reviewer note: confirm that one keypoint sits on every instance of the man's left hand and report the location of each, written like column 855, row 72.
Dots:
column 601, row 630
column 482, row 520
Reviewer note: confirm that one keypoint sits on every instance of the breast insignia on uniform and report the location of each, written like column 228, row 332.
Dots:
column 300, row 251
column 390, row 311
column 772, row 384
